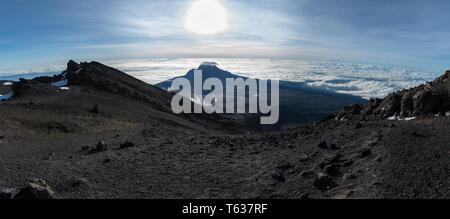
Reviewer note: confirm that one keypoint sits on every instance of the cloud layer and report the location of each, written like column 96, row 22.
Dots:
column 365, row 80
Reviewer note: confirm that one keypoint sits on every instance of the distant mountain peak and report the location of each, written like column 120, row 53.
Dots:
column 215, row 64
column 210, row 70
column 210, row 66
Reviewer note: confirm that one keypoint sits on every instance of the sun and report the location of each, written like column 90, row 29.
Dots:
column 206, row 17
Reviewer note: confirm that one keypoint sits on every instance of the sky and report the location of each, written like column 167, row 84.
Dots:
column 37, row 35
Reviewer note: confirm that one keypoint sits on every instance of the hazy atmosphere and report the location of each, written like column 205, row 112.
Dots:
column 36, row 36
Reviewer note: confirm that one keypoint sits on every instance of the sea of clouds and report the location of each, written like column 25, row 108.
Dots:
column 365, row 80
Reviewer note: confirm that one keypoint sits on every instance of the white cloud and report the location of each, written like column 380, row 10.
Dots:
column 363, row 80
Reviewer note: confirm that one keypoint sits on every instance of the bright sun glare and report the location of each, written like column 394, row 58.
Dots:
column 206, row 17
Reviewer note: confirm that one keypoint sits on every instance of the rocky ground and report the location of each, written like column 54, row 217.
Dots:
column 54, row 143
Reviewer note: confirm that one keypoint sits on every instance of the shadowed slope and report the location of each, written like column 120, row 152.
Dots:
column 299, row 103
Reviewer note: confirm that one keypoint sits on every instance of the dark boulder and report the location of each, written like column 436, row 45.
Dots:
column 305, row 196
column 334, row 147
column 307, row 174
column 335, row 158
column 85, row 148
column 365, row 153
column 6, row 193
column 323, row 145
column 101, row 146
column 80, row 183
column 332, row 170
column 36, row 189
column 347, row 163
column 127, row 144
column 324, row 182
column 284, row 165
column 277, row 175
column 95, row 109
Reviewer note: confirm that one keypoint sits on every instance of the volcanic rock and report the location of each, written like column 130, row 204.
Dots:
column 347, row 163
column 324, row 182
column 95, row 109
column 365, row 153
column 278, row 176
column 425, row 100
column 358, row 125
column 284, row 165
column 80, row 183
column 307, row 174
column 335, row 159
column 127, row 145
column 72, row 66
column 35, row 189
column 332, row 170
column 6, row 193
column 304, row 158
column 323, row 145
column 101, row 146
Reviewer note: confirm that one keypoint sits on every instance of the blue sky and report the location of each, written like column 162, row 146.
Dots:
column 40, row 34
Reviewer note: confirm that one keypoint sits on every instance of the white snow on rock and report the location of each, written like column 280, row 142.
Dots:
column 8, row 83
column 60, row 83
column 396, row 117
column 64, row 88
column 78, row 71
column 7, row 96
column 209, row 64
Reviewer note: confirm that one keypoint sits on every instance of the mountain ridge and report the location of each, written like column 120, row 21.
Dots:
column 429, row 99
column 299, row 103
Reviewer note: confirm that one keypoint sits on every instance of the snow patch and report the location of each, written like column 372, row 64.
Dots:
column 64, row 88
column 60, row 83
column 8, row 83
column 209, row 64
column 64, row 82
column 396, row 117
column 7, row 96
